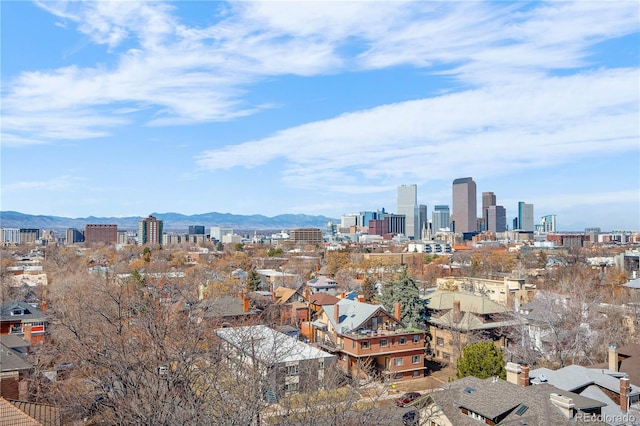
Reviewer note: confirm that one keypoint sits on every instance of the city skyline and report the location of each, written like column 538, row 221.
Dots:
column 320, row 108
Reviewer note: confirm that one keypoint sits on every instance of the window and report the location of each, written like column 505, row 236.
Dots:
column 446, row 356
column 416, row 339
column 321, row 364
column 398, row 362
column 291, row 387
column 439, row 341
column 364, row 344
column 383, row 342
column 402, row 340
column 416, row 373
column 17, row 311
column 415, row 359
column 292, row 370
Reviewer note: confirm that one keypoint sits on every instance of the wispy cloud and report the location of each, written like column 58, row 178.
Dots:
column 58, row 183
column 534, row 124
column 182, row 74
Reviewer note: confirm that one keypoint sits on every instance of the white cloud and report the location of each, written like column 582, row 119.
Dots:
column 56, row 184
column 534, row 124
column 186, row 74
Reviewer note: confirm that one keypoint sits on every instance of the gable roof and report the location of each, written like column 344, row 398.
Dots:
column 10, row 360
column 48, row 415
column 628, row 362
column 224, row 306
column 30, row 312
column 353, row 314
column 283, row 294
column 504, row 402
column 322, row 282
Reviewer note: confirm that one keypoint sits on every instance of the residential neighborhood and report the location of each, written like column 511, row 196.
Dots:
column 333, row 334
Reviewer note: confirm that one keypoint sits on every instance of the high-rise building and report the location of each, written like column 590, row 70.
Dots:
column 464, row 215
column 74, row 236
column 107, row 234
column 11, row 235
column 217, row 232
column 496, row 219
column 547, row 224
column 408, row 206
column 149, row 231
column 525, row 216
column 488, row 200
column 196, row 230
column 440, row 218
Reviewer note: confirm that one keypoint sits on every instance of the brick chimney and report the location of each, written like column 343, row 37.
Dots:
column 245, row 304
column 523, row 379
column 397, row 312
column 43, row 306
column 336, row 313
column 613, row 357
column 27, row 333
column 624, row 393
column 361, row 298
column 457, row 313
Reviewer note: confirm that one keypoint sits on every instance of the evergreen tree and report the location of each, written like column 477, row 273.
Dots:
column 253, row 280
column 482, row 360
column 403, row 290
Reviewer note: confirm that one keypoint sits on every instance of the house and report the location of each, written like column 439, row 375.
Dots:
column 507, row 292
column 24, row 319
column 623, row 359
column 370, row 341
column 14, row 371
column 455, row 318
column 290, row 365
column 294, row 305
column 618, row 396
column 225, row 311
column 471, row 401
column 322, row 284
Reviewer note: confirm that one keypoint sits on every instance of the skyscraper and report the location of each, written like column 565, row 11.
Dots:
column 488, row 200
column 440, row 217
column 464, row 214
column 408, row 206
column 149, row 231
column 525, row 216
column 496, row 219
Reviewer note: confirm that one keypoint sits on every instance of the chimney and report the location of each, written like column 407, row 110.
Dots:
column 245, row 304
column 457, row 314
column 43, row 307
column 342, row 295
column 336, row 313
column 565, row 404
column 306, row 293
column 513, row 370
column 397, row 312
column 524, row 375
column 360, row 298
column 613, row 357
column 27, row 333
column 624, row 393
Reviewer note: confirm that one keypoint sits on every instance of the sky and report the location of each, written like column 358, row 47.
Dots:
column 126, row 108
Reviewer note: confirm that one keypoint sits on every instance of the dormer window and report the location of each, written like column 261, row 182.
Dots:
column 17, row 311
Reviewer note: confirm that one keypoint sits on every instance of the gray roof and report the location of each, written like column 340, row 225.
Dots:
column 576, row 377
column 470, row 321
column 12, row 341
column 352, row 314
column 501, row 401
column 224, row 306
column 30, row 312
column 11, row 360
column 268, row 345
column 635, row 284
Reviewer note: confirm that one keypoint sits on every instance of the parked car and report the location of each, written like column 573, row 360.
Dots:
column 407, row 398
column 410, row 418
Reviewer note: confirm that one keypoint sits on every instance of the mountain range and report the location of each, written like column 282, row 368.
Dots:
column 172, row 221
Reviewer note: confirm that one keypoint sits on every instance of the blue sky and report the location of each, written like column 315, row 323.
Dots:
column 127, row 108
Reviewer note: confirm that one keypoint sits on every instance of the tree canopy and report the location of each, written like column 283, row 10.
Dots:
column 403, row 290
column 482, row 360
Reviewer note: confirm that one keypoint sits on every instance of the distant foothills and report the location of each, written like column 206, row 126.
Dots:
column 172, row 221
